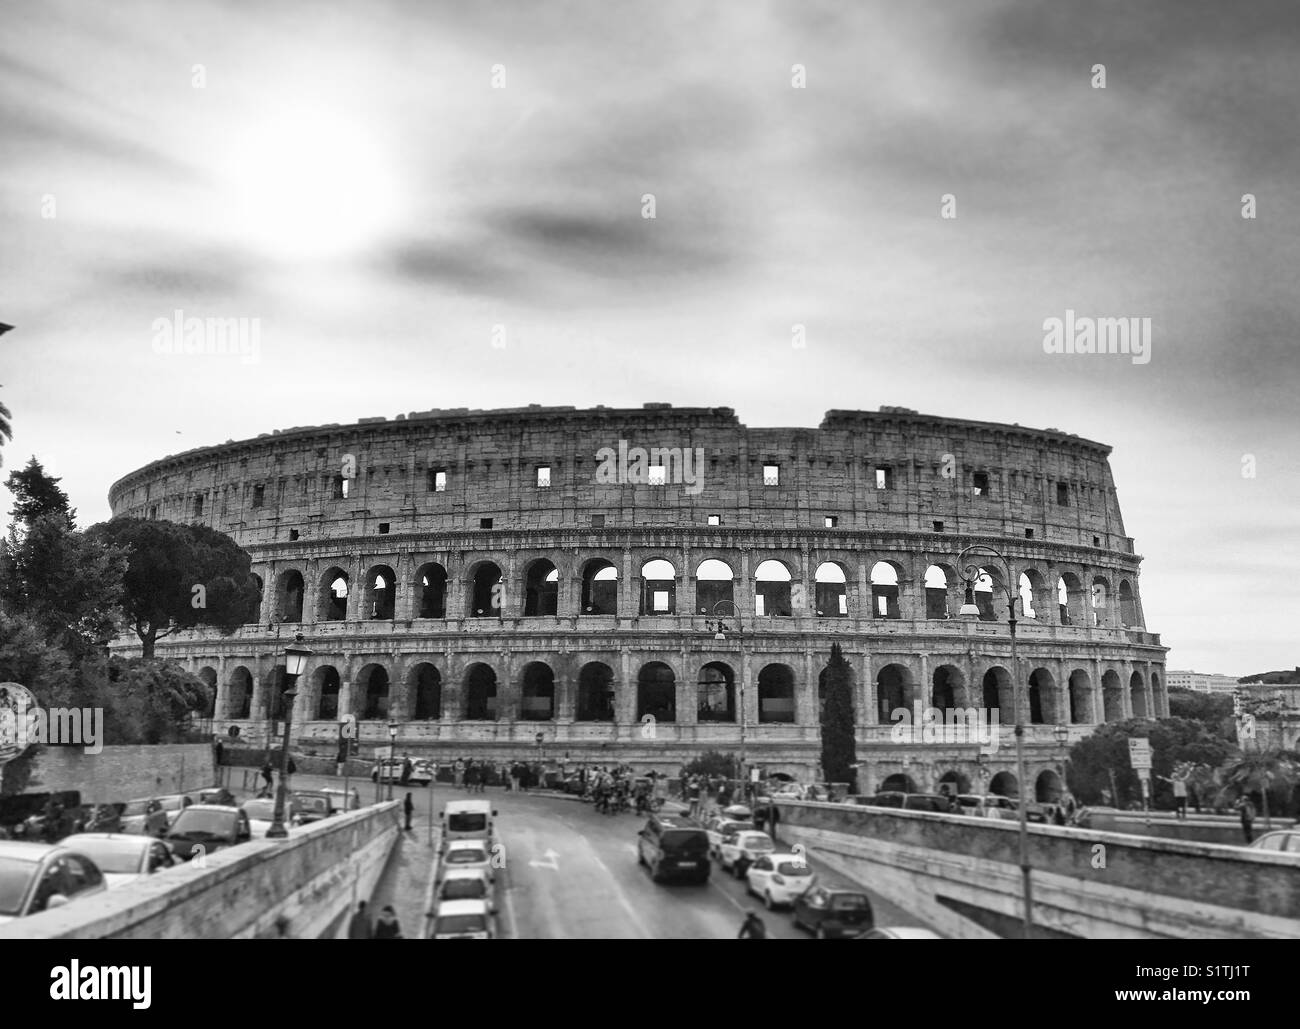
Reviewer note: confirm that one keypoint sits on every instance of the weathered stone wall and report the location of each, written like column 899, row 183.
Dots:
column 126, row 772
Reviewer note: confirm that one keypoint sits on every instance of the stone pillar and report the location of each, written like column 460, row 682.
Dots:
column 404, row 595
column 743, row 589
column 627, row 599
column 686, row 604
column 257, row 709
column 311, row 590
column 565, row 693
column 907, row 599
column 861, row 608
column 569, row 602
column 625, row 691
column 687, row 695
column 356, row 591
column 266, row 610
column 345, row 698
column 807, row 712
column 508, row 691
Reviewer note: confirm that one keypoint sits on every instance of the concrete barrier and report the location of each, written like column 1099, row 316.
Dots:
column 962, row 876
column 303, row 887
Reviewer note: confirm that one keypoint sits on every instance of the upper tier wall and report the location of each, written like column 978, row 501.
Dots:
column 1058, row 486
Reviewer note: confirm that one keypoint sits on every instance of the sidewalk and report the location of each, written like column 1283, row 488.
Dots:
column 405, row 880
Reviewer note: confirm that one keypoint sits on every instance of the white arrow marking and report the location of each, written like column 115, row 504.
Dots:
column 548, row 863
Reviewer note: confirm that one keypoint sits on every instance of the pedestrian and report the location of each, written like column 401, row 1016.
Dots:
column 359, row 927
column 406, row 769
column 752, row 928
column 773, row 816
column 1247, row 810
column 387, row 927
column 220, row 749
column 266, row 772
column 409, row 808
column 293, row 767
column 1180, row 796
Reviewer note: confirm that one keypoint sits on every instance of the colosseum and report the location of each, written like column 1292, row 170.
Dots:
column 551, row 581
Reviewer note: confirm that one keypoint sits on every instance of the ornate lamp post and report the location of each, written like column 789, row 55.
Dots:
column 295, row 663
column 719, row 629
column 392, row 755
column 970, row 574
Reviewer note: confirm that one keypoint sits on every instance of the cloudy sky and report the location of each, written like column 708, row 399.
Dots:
column 379, row 188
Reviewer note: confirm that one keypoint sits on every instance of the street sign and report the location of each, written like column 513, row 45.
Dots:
column 1139, row 755
column 753, row 775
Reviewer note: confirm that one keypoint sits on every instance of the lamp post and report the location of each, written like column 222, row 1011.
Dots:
column 970, row 574
column 392, row 755
column 719, row 629
column 295, row 663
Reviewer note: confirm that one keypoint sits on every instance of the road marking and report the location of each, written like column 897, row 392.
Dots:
column 622, row 900
column 548, row 863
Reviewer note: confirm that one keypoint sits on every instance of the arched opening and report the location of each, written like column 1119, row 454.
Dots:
column 480, row 693
column 999, row 699
column 714, row 585
column 1030, row 589
column 1128, row 609
column 1080, row 698
column 485, row 594
column 1137, row 695
column 254, row 613
column 537, row 700
column 381, row 593
column 716, row 693
column 936, row 593
column 1048, row 788
column 1070, row 598
column 899, row 782
column 599, row 588
column 776, row 694
column 893, row 691
column 426, row 683
column 374, row 685
column 241, row 693
column 658, row 588
column 947, row 691
column 431, row 584
column 209, row 677
column 541, row 589
column 953, row 782
column 1042, row 698
column 334, row 595
column 1004, row 784
column 1112, row 696
column 327, row 684
column 290, row 592
column 884, row 590
column 595, row 693
column 831, row 589
column 656, row 693
column 989, row 598
column 1101, row 613
column 772, row 590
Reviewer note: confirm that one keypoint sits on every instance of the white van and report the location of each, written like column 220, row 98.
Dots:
column 468, row 820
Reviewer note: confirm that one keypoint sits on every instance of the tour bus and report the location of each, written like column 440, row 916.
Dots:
column 468, row 820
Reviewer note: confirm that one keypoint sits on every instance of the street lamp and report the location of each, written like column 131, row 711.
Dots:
column 719, row 629
column 295, row 663
column 392, row 755
column 970, row 574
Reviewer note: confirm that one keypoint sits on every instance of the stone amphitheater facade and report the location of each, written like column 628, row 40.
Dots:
column 547, row 581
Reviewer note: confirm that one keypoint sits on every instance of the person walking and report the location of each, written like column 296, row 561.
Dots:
column 387, row 927
column 1247, row 810
column 359, row 927
column 267, row 771
column 752, row 928
column 409, row 807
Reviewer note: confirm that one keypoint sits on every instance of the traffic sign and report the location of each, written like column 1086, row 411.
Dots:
column 1139, row 755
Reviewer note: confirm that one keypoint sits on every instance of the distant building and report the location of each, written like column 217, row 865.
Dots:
column 1202, row 682
column 1282, row 727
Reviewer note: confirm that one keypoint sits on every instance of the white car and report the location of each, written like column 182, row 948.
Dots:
column 899, row 932
column 122, row 857
column 466, row 854
column 261, row 814
column 739, row 850
column 465, row 884
column 779, row 878
column 990, row 806
column 463, row 920
column 720, row 826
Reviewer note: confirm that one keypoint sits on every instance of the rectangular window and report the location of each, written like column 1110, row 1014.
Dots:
column 938, row 526
column 485, row 523
column 771, row 475
column 437, row 480
column 1062, row 494
column 544, row 476
column 383, row 528
column 259, row 495
column 715, row 519
column 759, row 607
column 882, row 607
column 831, row 521
column 844, row 604
column 980, row 480
column 884, row 478
column 1096, row 541
column 153, row 511
column 598, row 521
column 660, row 598
column 293, row 535
column 198, row 507
column 1029, row 534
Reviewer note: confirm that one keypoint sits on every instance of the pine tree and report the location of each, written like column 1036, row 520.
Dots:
column 839, row 746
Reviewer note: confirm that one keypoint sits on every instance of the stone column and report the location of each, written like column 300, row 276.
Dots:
column 403, row 597
column 266, row 610
column 743, row 589
column 686, row 597
column 907, row 599
column 565, row 692
column 625, row 692
column 627, row 599
column 311, row 590
column 861, row 608
column 569, row 602
column 808, row 711
column 356, row 591
column 345, row 697
column 257, row 709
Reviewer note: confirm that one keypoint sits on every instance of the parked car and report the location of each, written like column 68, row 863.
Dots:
column 888, row 798
column 341, row 802
column 217, row 795
column 465, row 884
column 206, row 828
column 739, row 850
column 987, row 806
column 387, row 770
column 463, row 920
column 1283, row 841
column 313, row 806
column 466, row 854
column 674, row 846
column 261, row 813
column 423, row 772
column 36, row 877
column 145, row 816
column 779, row 878
column 832, row 914
column 719, row 826
column 123, row 858
column 899, row 932
column 937, row 802
column 174, row 804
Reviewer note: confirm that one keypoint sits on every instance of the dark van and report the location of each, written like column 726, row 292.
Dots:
column 674, row 847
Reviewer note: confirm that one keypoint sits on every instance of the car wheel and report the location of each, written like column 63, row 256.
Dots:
column 767, row 900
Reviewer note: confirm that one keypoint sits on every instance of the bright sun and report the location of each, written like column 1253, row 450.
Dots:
column 308, row 185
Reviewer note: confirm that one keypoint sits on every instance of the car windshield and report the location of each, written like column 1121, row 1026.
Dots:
column 850, row 902
column 473, row 821
column 464, row 889
column 461, row 924
column 135, row 807
column 115, row 856
column 172, row 803
column 262, row 810
column 466, row 857
column 318, row 804
column 14, row 878
column 203, row 823
column 758, row 843
column 685, row 840
column 792, row 868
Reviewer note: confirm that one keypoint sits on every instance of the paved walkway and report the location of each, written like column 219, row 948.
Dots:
column 404, row 882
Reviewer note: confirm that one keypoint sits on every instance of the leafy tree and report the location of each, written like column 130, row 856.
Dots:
column 1213, row 710
column 1175, row 742
column 714, row 763
column 167, row 563
column 839, row 745
column 1268, row 777
column 149, row 701
column 37, row 494
column 29, row 660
